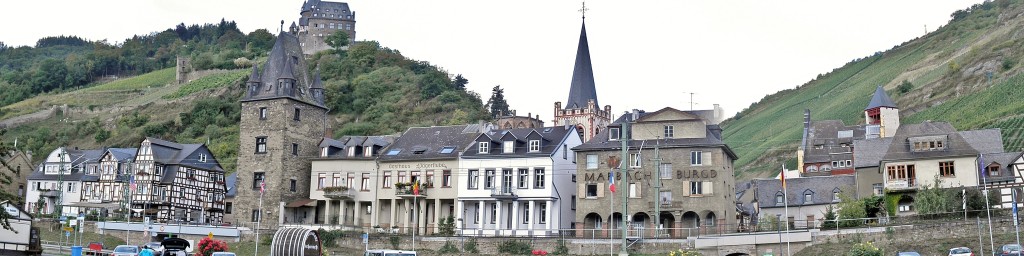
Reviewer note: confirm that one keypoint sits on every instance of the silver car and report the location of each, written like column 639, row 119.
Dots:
column 126, row 250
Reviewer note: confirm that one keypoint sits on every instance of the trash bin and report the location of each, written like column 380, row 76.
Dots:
column 76, row 251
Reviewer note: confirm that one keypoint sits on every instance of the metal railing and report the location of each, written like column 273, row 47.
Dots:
column 504, row 191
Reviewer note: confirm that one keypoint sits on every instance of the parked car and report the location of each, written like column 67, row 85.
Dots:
column 126, row 250
column 175, row 246
column 961, row 251
column 223, row 254
column 389, row 253
column 910, row 253
column 156, row 247
column 1008, row 250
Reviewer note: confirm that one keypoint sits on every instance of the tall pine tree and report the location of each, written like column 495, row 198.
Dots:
column 497, row 104
column 459, row 82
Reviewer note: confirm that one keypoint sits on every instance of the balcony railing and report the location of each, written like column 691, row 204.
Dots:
column 339, row 193
column 901, row 184
column 507, row 192
column 408, row 192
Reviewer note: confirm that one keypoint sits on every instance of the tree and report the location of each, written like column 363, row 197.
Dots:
column 931, row 199
column 497, row 104
column 7, row 176
column 459, row 82
column 260, row 41
column 337, row 40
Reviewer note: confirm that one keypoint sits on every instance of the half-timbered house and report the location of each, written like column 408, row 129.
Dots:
column 178, row 183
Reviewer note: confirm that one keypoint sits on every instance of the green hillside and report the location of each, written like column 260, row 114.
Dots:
column 966, row 73
column 370, row 90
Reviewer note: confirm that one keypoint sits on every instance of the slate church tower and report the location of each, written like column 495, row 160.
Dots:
column 581, row 109
column 283, row 120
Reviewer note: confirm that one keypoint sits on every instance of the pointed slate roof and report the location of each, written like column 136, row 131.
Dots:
column 880, row 99
column 316, row 81
column 582, row 88
column 285, row 61
column 255, row 76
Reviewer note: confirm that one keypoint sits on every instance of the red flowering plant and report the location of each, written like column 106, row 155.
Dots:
column 539, row 252
column 208, row 246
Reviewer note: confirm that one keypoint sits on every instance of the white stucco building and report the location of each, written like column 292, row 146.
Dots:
column 518, row 182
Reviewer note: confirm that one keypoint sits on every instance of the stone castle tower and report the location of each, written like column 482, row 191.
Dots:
column 883, row 112
column 581, row 109
column 319, row 19
column 283, row 120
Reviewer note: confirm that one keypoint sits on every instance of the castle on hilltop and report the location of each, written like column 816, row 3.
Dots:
column 318, row 20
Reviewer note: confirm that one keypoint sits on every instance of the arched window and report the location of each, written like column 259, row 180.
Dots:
column 812, row 168
column 779, row 198
column 835, row 194
column 808, row 196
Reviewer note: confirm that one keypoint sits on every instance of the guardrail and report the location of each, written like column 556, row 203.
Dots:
column 61, row 248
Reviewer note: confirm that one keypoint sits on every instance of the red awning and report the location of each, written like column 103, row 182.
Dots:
column 301, row 203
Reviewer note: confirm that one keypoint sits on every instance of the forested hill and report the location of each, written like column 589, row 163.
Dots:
column 370, row 89
column 967, row 73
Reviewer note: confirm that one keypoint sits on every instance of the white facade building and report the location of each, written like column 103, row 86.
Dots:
column 518, row 182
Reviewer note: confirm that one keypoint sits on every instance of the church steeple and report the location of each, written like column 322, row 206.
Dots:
column 582, row 89
column 582, row 109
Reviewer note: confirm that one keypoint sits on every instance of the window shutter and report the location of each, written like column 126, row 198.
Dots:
column 582, row 189
column 706, row 158
column 600, row 189
column 686, row 188
column 638, row 190
column 707, row 186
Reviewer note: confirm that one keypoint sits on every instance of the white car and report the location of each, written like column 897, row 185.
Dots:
column 223, row 254
column 155, row 246
column 389, row 253
column 961, row 251
column 126, row 250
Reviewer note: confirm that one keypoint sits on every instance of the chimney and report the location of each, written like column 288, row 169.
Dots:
column 636, row 115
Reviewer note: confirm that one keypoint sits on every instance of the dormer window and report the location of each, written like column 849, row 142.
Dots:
column 613, row 133
column 508, row 147
column 483, row 147
column 368, row 152
column 352, row 151
column 779, row 199
column 835, row 194
column 534, row 145
column 202, row 158
column 323, row 152
column 808, row 197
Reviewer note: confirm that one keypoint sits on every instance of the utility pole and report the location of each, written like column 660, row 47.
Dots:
column 691, row 99
column 657, row 188
column 625, row 180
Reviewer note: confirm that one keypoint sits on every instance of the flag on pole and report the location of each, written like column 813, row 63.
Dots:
column 263, row 186
column 611, row 181
column 416, row 188
column 782, row 176
column 132, row 182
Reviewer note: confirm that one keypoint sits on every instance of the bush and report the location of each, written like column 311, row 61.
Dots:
column 448, row 248
column 395, row 242
column 864, row 249
column 681, row 252
column 905, row 87
column 513, row 246
column 561, row 248
column 447, row 226
column 208, row 246
column 471, row 246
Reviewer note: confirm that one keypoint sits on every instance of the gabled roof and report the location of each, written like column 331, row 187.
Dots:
column 431, row 139
column 600, row 142
column 986, row 141
column 122, row 154
column 78, row 160
column 551, row 140
column 342, row 144
column 820, row 186
column 231, row 182
column 582, row 88
column 901, row 148
column 171, row 153
column 826, row 134
column 870, row 152
column 1004, row 160
column 880, row 99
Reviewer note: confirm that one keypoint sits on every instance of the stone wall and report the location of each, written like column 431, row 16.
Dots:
column 489, row 245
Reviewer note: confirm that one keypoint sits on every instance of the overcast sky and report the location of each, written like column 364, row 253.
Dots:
column 646, row 54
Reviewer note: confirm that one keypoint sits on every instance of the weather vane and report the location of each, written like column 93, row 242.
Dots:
column 584, row 9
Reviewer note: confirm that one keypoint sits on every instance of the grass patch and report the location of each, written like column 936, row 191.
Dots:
column 152, row 79
column 248, row 248
column 208, row 82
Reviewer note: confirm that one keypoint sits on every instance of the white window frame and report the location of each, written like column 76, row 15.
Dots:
column 539, row 178
column 613, row 133
column 592, row 162
column 696, row 158
column 508, row 146
column 669, row 131
column 666, row 171
column 483, row 147
column 534, row 145
column 635, row 160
